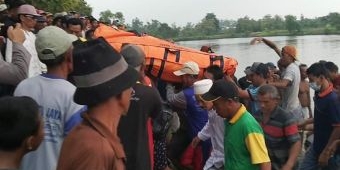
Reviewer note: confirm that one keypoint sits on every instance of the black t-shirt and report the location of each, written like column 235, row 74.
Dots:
column 132, row 129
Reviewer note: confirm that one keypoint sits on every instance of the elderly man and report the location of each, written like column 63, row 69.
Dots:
column 244, row 142
column 280, row 129
column 214, row 129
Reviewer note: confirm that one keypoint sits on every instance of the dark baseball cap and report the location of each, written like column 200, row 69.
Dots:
column 221, row 89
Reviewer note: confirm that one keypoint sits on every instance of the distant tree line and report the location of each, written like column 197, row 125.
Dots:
column 211, row 27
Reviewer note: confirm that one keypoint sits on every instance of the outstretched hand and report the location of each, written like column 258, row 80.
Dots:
column 256, row 40
column 16, row 34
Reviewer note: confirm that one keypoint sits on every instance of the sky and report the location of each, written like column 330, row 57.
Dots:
column 181, row 12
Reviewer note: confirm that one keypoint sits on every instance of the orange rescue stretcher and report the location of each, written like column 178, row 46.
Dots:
column 164, row 57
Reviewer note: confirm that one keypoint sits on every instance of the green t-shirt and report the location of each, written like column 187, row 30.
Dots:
column 244, row 143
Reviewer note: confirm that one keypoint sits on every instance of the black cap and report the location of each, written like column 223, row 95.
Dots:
column 221, row 89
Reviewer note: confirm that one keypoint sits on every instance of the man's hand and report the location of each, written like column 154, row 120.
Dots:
column 16, row 34
column 287, row 167
column 256, row 40
column 324, row 157
column 195, row 142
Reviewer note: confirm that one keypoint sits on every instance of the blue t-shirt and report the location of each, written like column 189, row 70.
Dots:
column 252, row 90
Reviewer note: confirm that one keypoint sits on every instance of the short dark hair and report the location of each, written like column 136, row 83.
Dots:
column 331, row 67
column 262, row 70
column 318, row 69
column 216, row 71
column 55, row 62
column 269, row 89
column 303, row 65
column 74, row 21
column 11, row 4
column 19, row 119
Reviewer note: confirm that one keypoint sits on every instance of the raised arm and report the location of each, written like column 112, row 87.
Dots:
column 268, row 43
column 13, row 73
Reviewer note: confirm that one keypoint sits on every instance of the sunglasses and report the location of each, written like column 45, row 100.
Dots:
column 31, row 17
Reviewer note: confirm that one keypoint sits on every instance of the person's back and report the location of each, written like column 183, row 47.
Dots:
column 107, row 99
column 132, row 129
column 54, row 96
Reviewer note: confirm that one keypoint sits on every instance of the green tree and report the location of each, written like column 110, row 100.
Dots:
column 106, row 16
column 188, row 30
column 209, row 25
column 120, row 17
column 55, row 6
column 137, row 25
column 334, row 19
column 292, row 25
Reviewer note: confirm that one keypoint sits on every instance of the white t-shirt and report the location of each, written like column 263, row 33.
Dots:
column 35, row 67
column 214, row 129
column 55, row 98
column 290, row 99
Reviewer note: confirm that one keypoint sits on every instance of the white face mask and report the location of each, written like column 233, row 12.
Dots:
column 314, row 86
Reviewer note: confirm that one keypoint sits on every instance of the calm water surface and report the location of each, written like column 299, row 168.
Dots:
column 310, row 49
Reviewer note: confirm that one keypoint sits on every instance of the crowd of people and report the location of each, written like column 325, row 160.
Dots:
column 69, row 101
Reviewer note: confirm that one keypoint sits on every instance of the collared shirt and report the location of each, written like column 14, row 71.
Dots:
column 281, row 133
column 326, row 117
column 100, row 149
column 214, row 129
column 244, row 142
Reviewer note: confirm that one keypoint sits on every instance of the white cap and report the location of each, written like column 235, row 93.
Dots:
column 202, row 86
column 3, row 7
column 189, row 67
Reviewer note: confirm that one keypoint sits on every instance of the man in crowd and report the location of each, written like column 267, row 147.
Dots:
column 54, row 95
column 196, row 116
column 104, row 81
column 74, row 26
column 333, row 70
column 280, row 129
column 21, row 130
column 258, row 74
column 214, row 72
column 326, row 121
column 290, row 80
column 304, row 93
column 214, row 129
column 145, row 103
column 244, row 142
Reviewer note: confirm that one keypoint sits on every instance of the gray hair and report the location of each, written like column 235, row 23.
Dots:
column 269, row 89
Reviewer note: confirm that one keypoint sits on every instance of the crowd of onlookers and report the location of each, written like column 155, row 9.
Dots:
column 70, row 101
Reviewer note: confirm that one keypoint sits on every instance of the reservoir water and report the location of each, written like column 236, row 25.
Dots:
column 310, row 49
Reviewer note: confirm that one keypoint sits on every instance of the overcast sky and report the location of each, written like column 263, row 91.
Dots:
column 183, row 11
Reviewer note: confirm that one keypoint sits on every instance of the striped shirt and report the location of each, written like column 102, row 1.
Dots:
column 280, row 132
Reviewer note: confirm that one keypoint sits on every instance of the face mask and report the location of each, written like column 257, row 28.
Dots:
column 314, row 86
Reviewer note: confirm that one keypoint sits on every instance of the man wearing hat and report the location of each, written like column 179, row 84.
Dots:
column 145, row 103
column 54, row 95
column 290, row 80
column 214, row 129
column 104, row 81
column 194, row 114
column 27, row 15
column 244, row 142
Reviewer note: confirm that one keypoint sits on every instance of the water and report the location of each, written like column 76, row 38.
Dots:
column 310, row 49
